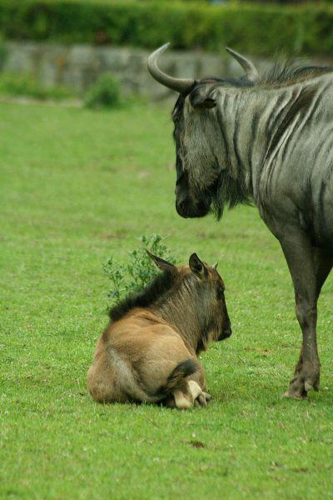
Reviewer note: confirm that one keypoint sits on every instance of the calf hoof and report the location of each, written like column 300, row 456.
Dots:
column 200, row 397
column 208, row 396
column 203, row 399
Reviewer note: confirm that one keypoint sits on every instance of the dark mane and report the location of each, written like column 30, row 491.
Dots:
column 153, row 292
column 281, row 74
column 289, row 73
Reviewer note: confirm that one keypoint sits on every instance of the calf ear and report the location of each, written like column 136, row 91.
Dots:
column 161, row 264
column 197, row 266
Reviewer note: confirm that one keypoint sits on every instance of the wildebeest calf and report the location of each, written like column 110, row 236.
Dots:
column 149, row 351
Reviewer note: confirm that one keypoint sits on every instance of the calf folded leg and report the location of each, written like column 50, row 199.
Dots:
column 111, row 380
column 101, row 380
column 204, row 396
column 186, row 397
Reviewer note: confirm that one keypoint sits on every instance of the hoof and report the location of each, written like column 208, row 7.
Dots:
column 299, row 389
column 309, row 387
column 203, row 398
column 294, row 395
column 208, row 396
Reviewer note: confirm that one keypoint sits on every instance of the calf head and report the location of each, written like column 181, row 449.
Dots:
column 197, row 301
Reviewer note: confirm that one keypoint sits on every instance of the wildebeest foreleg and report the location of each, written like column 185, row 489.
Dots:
column 300, row 257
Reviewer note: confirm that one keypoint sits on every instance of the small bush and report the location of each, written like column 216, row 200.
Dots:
column 139, row 270
column 105, row 93
column 26, row 86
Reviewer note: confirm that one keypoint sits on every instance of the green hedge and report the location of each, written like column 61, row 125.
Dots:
column 257, row 29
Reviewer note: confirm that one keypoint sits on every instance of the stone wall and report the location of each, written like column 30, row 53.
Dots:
column 78, row 66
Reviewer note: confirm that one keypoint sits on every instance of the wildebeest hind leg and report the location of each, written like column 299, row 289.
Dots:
column 300, row 257
column 323, row 262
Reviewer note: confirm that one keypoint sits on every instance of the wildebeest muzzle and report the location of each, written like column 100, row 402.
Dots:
column 186, row 205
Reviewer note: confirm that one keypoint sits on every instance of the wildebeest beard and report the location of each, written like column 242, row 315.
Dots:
column 225, row 192
column 230, row 192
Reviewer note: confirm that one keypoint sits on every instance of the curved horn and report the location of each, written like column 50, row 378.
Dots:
column 214, row 266
column 247, row 65
column 178, row 84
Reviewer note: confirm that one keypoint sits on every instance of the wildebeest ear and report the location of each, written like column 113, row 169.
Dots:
column 161, row 263
column 197, row 266
column 202, row 102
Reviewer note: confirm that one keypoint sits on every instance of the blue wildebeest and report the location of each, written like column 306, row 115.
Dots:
column 269, row 140
column 149, row 352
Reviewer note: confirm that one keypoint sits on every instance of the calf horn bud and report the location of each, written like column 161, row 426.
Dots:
column 246, row 64
column 178, row 84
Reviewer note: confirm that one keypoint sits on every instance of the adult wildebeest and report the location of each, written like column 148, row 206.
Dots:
column 149, row 351
column 268, row 140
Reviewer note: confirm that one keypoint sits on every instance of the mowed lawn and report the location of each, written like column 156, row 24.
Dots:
column 76, row 188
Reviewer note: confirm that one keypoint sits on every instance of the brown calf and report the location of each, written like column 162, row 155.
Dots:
column 149, row 351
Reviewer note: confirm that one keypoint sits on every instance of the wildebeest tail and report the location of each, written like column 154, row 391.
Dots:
column 176, row 379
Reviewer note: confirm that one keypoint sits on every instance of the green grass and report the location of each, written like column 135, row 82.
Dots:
column 77, row 187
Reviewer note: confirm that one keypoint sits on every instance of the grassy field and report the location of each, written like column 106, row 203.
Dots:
column 80, row 186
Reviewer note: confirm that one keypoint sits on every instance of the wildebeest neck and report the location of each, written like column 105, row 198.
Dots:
column 249, row 123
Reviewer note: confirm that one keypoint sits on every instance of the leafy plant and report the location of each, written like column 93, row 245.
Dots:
column 105, row 93
column 139, row 270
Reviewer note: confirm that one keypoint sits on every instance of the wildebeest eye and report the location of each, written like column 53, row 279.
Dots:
column 220, row 292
